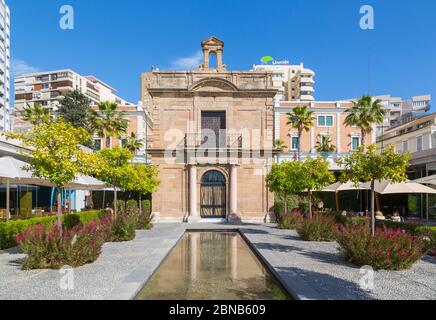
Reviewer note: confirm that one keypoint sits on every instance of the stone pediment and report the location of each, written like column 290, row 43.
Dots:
column 212, row 41
column 213, row 85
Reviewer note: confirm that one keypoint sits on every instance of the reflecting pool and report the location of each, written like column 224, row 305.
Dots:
column 212, row 266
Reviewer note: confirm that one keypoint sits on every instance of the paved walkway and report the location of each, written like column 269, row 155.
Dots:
column 309, row 270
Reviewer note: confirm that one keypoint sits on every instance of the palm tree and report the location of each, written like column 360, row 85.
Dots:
column 133, row 143
column 301, row 119
column 36, row 115
column 363, row 114
column 324, row 144
column 107, row 121
column 279, row 147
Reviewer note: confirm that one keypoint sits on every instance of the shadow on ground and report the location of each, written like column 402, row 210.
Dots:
column 320, row 286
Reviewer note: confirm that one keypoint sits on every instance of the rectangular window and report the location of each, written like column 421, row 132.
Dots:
column 433, row 140
column 294, row 143
column 419, row 143
column 405, row 146
column 355, row 143
column 325, row 121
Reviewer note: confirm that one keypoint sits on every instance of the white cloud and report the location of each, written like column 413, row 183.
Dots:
column 188, row 63
column 21, row 67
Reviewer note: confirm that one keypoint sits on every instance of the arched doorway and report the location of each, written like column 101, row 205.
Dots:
column 213, row 195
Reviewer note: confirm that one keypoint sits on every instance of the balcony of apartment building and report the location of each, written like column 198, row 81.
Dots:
column 307, row 79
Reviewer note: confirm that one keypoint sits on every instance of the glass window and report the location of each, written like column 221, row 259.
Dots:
column 325, row 121
column 405, row 146
column 355, row 143
column 419, row 143
column 321, row 121
column 433, row 140
column 294, row 143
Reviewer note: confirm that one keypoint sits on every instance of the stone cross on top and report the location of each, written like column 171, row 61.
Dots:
column 213, row 46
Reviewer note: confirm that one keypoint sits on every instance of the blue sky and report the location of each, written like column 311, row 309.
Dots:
column 118, row 40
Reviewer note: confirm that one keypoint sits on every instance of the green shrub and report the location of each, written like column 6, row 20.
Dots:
column 132, row 204
column 389, row 249
column 291, row 220
column 320, row 228
column 48, row 247
column 142, row 218
column 10, row 229
column 428, row 236
column 122, row 228
column 121, row 204
column 146, row 205
column 409, row 227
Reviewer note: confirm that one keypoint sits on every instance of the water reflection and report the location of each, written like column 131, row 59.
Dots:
column 212, row 266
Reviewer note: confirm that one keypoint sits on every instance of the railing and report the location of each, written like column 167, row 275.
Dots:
column 208, row 141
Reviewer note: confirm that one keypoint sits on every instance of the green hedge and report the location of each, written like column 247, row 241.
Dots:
column 414, row 229
column 10, row 229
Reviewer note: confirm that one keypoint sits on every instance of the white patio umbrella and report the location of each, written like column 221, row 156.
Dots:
column 13, row 171
column 386, row 187
column 349, row 186
column 338, row 187
column 427, row 180
column 87, row 183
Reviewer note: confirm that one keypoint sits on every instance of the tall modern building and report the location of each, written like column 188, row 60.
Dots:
column 50, row 87
column 4, row 66
column 400, row 111
column 293, row 82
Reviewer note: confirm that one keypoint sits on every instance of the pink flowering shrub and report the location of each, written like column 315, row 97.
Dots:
column 48, row 247
column 389, row 249
column 291, row 220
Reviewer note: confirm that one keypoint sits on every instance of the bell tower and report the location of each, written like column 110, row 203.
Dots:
column 212, row 46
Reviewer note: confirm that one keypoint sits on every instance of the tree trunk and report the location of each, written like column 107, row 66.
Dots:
column 140, row 203
column 372, row 207
column 363, row 135
column 59, row 213
column 310, row 204
column 300, row 133
column 286, row 204
column 115, row 201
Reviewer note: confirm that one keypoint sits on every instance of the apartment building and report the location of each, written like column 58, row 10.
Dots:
column 49, row 88
column 329, row 121
column 417, row 137
column 399, row 110
column 140, row 123
column 293, row 82
column 5, row 45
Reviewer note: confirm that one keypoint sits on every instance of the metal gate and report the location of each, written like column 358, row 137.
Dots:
column 213, row 195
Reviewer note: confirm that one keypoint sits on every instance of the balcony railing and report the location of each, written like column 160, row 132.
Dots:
column 208, row 141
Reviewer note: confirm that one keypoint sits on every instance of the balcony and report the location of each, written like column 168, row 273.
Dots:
column 306, row 97
column 307, row 88
column 330, row 157
column 205, row 141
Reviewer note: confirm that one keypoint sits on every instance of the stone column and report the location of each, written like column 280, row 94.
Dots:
column 193, row 214
column 233, row 190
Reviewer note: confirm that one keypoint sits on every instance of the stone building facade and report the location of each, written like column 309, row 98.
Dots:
column 212, row 140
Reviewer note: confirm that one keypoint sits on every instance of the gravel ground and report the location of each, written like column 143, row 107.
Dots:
column 309, row 270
